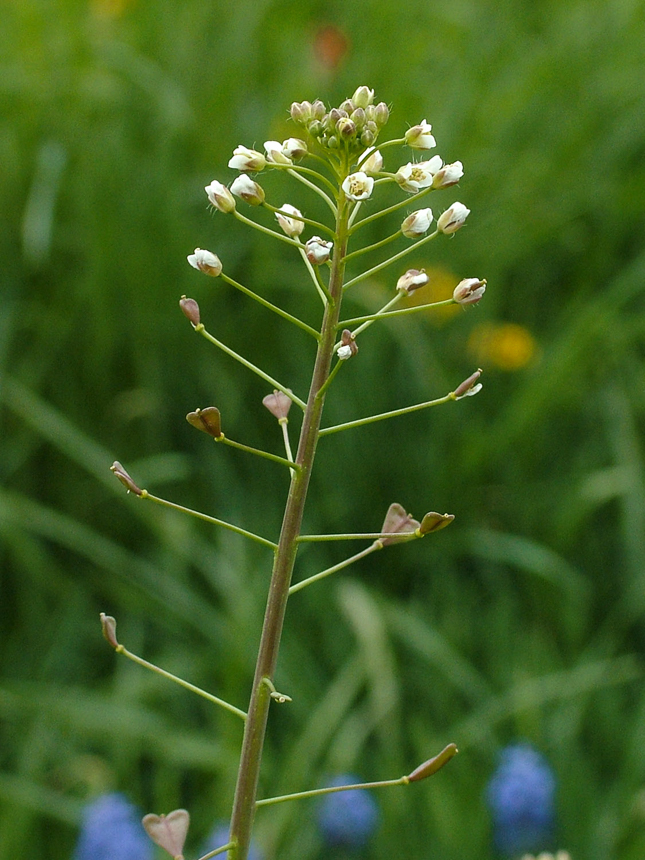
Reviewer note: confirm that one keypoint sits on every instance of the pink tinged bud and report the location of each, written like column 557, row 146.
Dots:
column 278, row 404
column 373, row 163
column 294, row 148
column 301, row 112
column 206, row 262
column 207, row 420
column 248, row 190
column 398, row 523
column 452, row 219
column 358, row 186
column 430, row 767
column 434, row 522
column 417, row 223
column 247, row 160
column 419, row 137
column 190, row 309
column 469, row 386
column 220, row 196
column 348, row 346
column 450, row 174
column 363, row 97
column 125, row 479
column 318, row 250
column 168, row 831
column 274, row 152
column 292, row 226
column 412, row 280
column 108, row 625
column 414, row 176
column 469, row 291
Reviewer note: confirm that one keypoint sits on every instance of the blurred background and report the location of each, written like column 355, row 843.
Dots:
column 522, row 622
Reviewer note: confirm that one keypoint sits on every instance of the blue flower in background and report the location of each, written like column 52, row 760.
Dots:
column 347, row 818
column 520, row 796
column 112, row 830
column 219, row 837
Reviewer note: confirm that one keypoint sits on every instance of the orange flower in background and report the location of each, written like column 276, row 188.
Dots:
column 330, row 46
column 507, row 346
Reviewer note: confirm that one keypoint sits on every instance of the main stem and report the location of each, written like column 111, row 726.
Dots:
column 285, row 556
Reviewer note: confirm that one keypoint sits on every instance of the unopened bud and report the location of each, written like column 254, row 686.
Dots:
column 358, row 117
column 452, row 219
column 318, row 109
column 398, row 524
column 363, row 97
column 346, row 128
column 301, row 112
column 434, row 522
column 247, row 160
column 206, row 262
column 348, row 106
column 294, row 148
column 412, row 280
column 428, row 768
column 419, row 136
column 450, row 174
column 248, row 190
column 275, row 154
column 469, row 386
column 220, row 196
column 125, row 478
column 168, row 831
column 190, row 309
column 207, row 420
column 381, row 114
column 108, row 626
column 417, row 223
column 278, row 404
column 318, row 250
column 367, row 137
column 292, row 226
column 348, row 346
column 469, row 291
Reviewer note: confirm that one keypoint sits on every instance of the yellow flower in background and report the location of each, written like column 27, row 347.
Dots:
column 439, row 287
column 507, row 346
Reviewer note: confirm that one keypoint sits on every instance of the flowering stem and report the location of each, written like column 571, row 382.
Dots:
column 316, row 792
column 251, row 223
column 222, row 438
column 373, row 247
column 273, row 382
column 323, row 292
column 400, row 312
column 342, row 564
column 360, row 422
column 198, row 515
column 270, row 306
column 314, row 187
column 120, row 649
column 390, row 260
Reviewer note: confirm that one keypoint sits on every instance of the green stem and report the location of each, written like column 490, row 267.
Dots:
column 120, row 649
column 299, row 168
column 398, row 313
column 356, row 536
column 276, row 459
column 360, row 422
column 374, row 246
column 412, row 199
column 274, row 233
column 332, row 375
column 391, row 260
column 317, row 792
column 323, row 292
column 273, row 382
column 175, row 507
column 371, row 318
column 342, row 564
column 315, row 188
column 270, row 306
column 217, row 851
column 317, row 224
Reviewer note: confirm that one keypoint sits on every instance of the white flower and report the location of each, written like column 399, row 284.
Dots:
column 417, row 223
column 292, row 226
column 469, row 386
column 247, row 160
column 412, row 280
column 358, row 186
column 294, row 148
column 452, row 219
column 318, row 250
column 419, row 137
column 469, row 291
column 244, row 187
column 275, row 154
column 206, row 262
column 450, row 174
column 414, row 176
column 344, row 352
column 220, row 196
column 373, row 163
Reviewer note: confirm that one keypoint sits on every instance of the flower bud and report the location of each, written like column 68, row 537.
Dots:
column 469, row 386
column 315, row 128
column 125, row 478
column 168, row 831
column 274, row 152
column 367, row 137
column 220, row 196
column 247, row 160
column 206, row 262
column 348, row 106
column 373, row 163
column 346, row 128
column 190, row 309
column 348, row 346
column 278, row 404
column 363, row 97
column 381, row 114
column 318, row 250
column 358, row 117
column 414, row 176
column 419, row 136
column 428, row 768
column 301, row 112
column 108, row 626
column 333, row 116
column 417, row 223
column 452, row 219
column 248, row 190
column 397, row 523
column 358, row 186
column 469, row 291
column 450, row 174
column 292, row 226
column 207, row 420
column 294, row 148
column 434, row 522
column 412, row 280
column 318, row 109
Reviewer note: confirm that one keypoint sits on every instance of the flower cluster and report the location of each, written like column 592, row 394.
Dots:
column 356, row 122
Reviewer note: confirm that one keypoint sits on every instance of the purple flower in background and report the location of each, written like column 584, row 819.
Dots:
column 347, row 818
column 112, row 830
column 219, row 837
column 520, row 797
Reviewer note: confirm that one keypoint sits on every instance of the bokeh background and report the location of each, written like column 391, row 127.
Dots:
column 523, row 621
